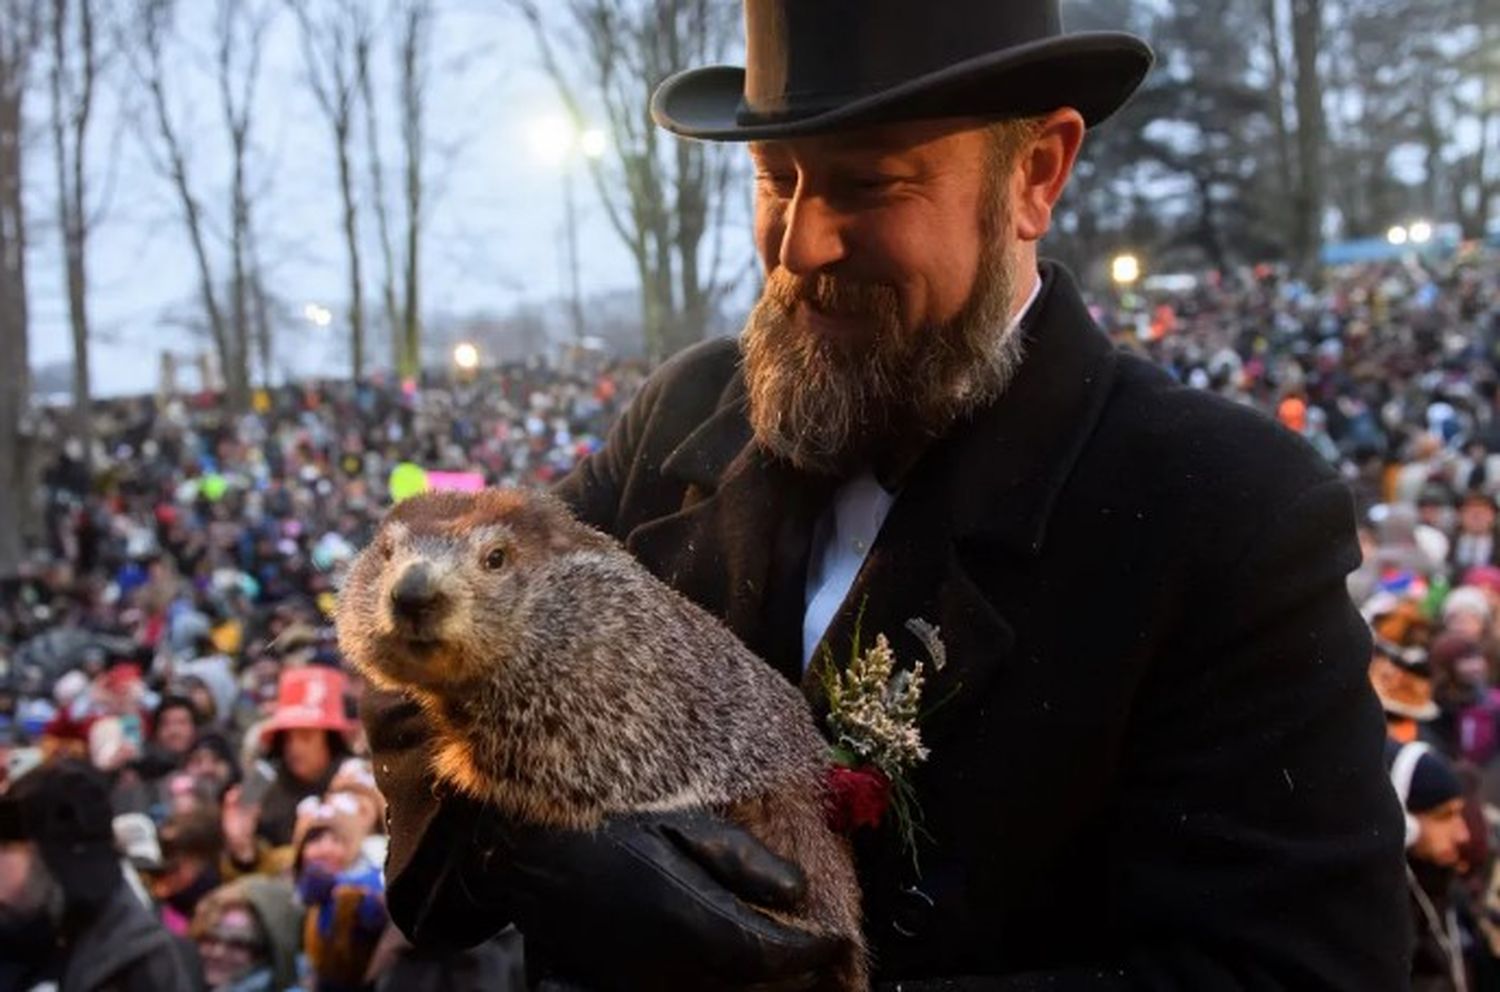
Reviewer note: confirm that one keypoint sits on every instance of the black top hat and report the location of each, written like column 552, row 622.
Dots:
column 814, row 66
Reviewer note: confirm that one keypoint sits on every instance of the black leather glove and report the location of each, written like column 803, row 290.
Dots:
column 646, row 902
column 651, row 901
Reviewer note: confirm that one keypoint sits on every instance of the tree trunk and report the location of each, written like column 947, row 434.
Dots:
column 393, row 321
column 1307, row 32
column 1284, row 166
column 15, row 374
column 351, row 245
column 237, row 373
column 413, row 52
column 71, row 110
column 260, row 306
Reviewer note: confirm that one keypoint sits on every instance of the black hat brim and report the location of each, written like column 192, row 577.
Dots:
column 1093, row 72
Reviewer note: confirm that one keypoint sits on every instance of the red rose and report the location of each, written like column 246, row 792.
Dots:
column 857, row 797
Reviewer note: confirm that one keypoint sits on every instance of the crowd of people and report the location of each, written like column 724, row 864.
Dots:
column 191, row 802
column 1392, row 372
column 187, row 797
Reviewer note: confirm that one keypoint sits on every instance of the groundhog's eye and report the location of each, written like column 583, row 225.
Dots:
column 494, row 559
column 386, row 548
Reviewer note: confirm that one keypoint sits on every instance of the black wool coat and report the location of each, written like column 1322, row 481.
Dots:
column 1159, row 763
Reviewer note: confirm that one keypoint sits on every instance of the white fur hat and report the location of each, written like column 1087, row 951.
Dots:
column 1467, row 599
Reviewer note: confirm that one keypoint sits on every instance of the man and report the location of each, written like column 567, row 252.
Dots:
column 66, row 914
column 1157, row 761
column 1475, row 546
column 1436, row 832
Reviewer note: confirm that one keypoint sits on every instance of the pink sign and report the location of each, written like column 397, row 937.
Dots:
column 455, row 482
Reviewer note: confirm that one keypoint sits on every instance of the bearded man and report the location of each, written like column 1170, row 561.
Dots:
column 68, row 920
column 1157, row 762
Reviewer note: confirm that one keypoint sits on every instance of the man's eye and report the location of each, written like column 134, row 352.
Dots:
column 780, row 182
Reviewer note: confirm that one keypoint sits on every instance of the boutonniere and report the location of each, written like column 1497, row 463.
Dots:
column 874, row 715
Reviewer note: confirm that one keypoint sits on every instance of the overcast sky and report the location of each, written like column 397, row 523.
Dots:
column 494, row 237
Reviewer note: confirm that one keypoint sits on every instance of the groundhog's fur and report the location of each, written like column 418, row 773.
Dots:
column 566, row 683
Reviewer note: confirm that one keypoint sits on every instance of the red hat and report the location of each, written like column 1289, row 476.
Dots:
column 1486, row 577
column 310, row 697
column 121, row 677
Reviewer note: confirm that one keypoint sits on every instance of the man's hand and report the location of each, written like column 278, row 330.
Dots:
column 659, row 901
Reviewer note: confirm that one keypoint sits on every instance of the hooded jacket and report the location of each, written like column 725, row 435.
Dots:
column 125, row 949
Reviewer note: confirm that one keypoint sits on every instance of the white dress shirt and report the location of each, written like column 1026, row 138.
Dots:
column 845, row 533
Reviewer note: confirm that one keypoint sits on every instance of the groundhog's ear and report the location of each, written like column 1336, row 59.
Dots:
column 565, row 532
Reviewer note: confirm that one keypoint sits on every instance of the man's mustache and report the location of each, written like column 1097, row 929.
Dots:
column 830, row 294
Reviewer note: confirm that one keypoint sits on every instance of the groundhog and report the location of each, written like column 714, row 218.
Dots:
column 566, row 683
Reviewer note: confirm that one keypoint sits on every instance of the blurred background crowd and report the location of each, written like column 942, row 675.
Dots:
column 168, row 672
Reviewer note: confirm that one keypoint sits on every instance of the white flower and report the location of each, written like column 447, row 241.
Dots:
column 873, row 710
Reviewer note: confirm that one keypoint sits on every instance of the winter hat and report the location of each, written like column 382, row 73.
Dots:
column 1399, row 669
column 356, row 777
column 1433, row 780
column 1436, row 493
column 1401, row 629
column 273, row 902
column 1449, row 649
column 64, row 809
column 175, row 702
column 70, row 687
column 1485, row 578
column 308, row 697
column 219, row 745
column 135, row 836
column 1466, row 599
column 338, row 812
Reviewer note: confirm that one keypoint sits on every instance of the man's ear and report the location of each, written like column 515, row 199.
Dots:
column 1043, row 169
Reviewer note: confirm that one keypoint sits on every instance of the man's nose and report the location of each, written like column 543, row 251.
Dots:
column 416, row 596
column 811, row 239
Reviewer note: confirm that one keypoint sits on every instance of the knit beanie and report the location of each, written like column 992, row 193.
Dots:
column 1450, row 649
column 63, row 808
column 1466, row 599
column 1433, row 783
column 356, row 777
column 337, row 812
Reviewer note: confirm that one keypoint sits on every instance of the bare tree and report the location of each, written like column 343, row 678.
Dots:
column 75, row 68
column 261, row 324
column 414, row 46
column 664, row 198
column 376, row 166
column 20, row 34
column 1307, row 39
column 239, row 32
column 335, row 47
column 1285, row 165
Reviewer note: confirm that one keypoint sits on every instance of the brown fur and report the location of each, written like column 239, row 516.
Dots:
column 570, row 684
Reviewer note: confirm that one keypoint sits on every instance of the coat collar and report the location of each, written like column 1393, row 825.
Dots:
column 1022, row 447
column 1028, row 441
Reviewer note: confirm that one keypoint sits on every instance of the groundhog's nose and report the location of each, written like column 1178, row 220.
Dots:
column 416, row 597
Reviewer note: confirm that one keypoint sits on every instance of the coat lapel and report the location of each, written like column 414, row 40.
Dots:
column 979, row 501
column 744, row 514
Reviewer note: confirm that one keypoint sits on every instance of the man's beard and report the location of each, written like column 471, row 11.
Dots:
column 830, row 406
column 29, row 921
